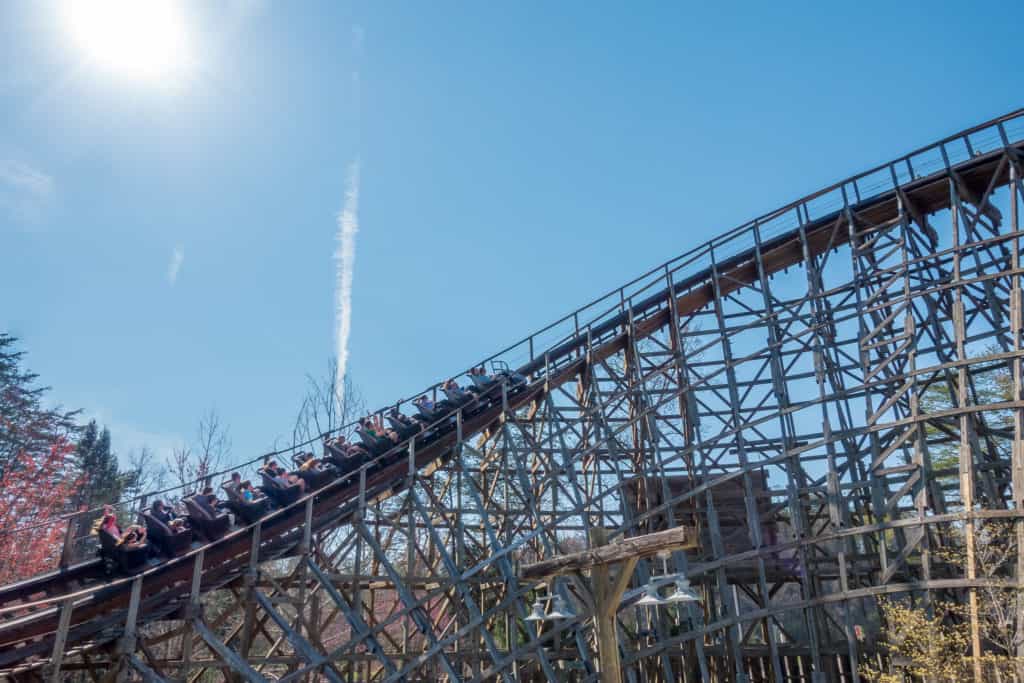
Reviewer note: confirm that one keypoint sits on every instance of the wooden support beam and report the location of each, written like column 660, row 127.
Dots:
column 637, row 547
column 147, row 674
column 58, row 643
column 607, row 591
column 128, row 641
column 227, row 655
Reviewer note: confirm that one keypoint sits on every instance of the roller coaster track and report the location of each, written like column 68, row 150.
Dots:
column 787, row 422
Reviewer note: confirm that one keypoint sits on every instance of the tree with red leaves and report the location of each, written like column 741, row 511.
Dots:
column 49, row 467
column 26, row 424
column 34, row 492
column 37, row 469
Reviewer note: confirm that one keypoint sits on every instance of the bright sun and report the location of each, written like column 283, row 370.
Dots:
column 143, row 39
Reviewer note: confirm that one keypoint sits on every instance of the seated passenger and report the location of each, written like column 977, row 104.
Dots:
column 404, row 425
column 455, row 393
column 480, row 378
column 160, row 512
column 211, row 497
column 383, row 431
column 108, row 524
column 133, row 537
column 233, row 486
column 335, row 446
column 343, row 455
column 425, row 405
column 247, row 494
column 452, row 388
column 207, row 502
column 287, row 476
column 271, row 469
column 370, row 434
column 310, row 463
column 398, row 416
column 282, row 477
column 370, row 428
column 167, row 516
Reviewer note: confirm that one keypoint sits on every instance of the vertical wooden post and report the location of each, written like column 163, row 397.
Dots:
column 607, row 592
column 191, row 613
column 57, row 656
column 604, row 623
column 1017, row 471
column 303, row 572
column 249, row 622
column 67, row 552
column 357, row 569
column 127, row 645
column 966, row 460
column 412, row 455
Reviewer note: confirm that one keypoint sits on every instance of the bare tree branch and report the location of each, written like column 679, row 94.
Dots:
column 210, row 453
column 151, row 473
column 321, row 411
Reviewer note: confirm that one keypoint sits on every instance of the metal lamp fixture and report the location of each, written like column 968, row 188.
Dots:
column 683, row 592
column 559, row 610
column 651, row 597
column 538, row 611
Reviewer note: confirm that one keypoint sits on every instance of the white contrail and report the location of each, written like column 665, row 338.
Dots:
column 345, row 256
column 348, row 226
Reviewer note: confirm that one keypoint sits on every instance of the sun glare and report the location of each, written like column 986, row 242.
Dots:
column 143, row 39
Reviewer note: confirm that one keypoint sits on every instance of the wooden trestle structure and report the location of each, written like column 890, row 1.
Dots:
column 775, row 388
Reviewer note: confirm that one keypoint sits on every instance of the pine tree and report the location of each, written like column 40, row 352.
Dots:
column 37, row 477
column 103, row 480
column 25, row 425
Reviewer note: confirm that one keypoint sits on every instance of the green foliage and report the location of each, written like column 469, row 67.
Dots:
column 985, row 387
column 26, row 426
column 103, row 480
column 930, row 645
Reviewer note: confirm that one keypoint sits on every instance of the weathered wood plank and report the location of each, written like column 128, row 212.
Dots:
column 637, row 547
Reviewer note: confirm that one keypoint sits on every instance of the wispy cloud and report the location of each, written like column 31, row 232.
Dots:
column 174, row 267
column 345, row 257
column 24, row 191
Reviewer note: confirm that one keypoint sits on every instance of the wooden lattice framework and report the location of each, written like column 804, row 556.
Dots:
column 792, row 389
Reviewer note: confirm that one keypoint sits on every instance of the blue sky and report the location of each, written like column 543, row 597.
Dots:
column 517, row 160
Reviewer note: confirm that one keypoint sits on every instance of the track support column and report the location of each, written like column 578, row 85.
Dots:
column 57, row 658
column 607, row 592
column 251, row 576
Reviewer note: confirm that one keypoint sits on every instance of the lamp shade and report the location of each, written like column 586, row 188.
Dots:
column 559, row 610
column 537, row 614
column 683, row 592
column 651, row 597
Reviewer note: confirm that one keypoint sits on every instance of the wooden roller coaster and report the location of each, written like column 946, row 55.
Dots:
column 46, row 618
